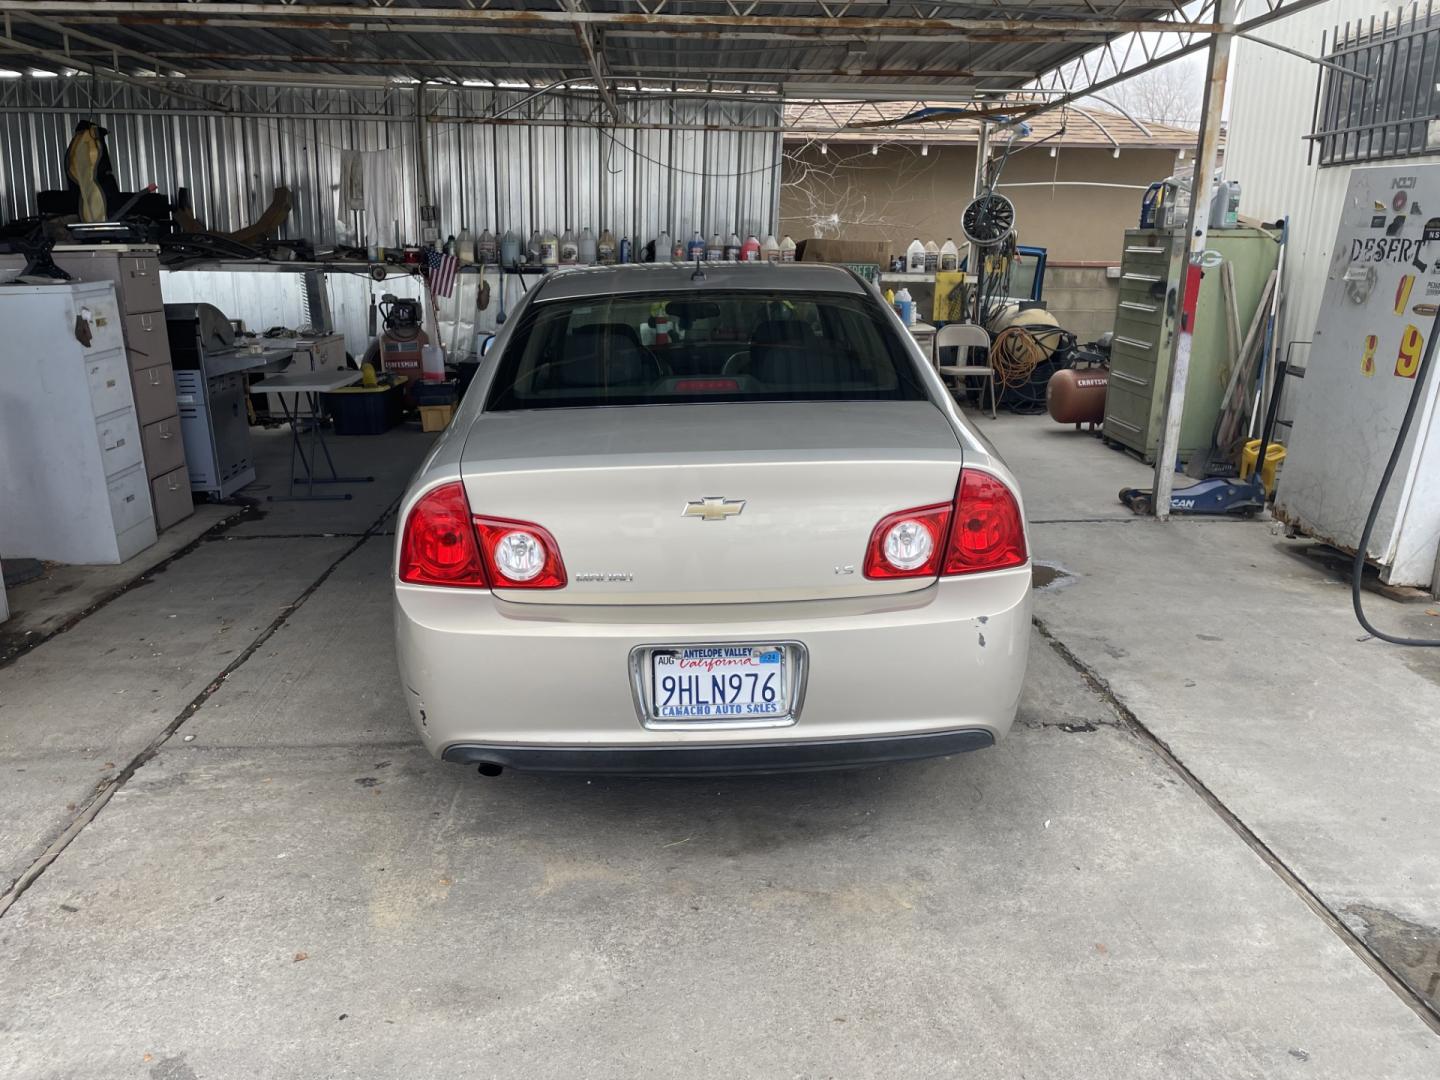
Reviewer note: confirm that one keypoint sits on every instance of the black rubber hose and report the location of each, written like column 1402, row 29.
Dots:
column 1358, row 570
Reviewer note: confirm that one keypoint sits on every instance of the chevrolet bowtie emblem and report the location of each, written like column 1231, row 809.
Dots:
column 714, row 508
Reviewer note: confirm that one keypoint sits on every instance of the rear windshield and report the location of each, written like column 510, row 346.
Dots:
column 658, row 349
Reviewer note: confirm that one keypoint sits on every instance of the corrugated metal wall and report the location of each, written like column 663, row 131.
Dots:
column 1271, row 101
column 524, row 177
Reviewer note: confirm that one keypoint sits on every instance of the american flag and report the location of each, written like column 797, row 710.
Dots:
column 443, row 269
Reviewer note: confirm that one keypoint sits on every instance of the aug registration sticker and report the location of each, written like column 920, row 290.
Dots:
column 718, row 682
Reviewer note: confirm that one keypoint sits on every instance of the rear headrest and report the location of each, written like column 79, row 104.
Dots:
column 782, row 332
column 600, row 355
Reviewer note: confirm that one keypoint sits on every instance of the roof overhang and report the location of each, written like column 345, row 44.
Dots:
column 1006, row 57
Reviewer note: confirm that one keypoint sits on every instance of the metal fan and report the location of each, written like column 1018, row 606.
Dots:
column 988, row 220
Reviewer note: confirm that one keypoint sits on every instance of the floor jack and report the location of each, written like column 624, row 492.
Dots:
column 1219, row 495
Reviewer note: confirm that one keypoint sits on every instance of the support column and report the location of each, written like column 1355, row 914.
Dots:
column 976, row 257
column 1217, row 72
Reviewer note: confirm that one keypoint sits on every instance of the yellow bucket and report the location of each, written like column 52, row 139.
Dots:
column 1274, row 455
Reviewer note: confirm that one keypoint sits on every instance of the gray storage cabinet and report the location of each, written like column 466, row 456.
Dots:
column 135, row 271
column 73, row 486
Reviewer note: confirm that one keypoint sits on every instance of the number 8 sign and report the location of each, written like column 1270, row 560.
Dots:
column 1412, row 345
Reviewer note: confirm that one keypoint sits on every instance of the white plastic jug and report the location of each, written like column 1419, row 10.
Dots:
column 915, row 257
column 949, row 255
column 588, row 249
column 432, row 362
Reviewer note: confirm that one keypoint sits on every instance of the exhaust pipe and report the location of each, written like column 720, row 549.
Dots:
column 489, row 768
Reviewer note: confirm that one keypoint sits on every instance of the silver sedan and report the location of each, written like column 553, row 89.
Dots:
column 722, row 519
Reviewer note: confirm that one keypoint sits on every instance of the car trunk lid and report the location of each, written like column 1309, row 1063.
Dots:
column 725, row 503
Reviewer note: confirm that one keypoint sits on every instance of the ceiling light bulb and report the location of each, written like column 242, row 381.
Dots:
column 1116, row 154
column 824, row 148
column 1052, row 151
column 875, row 149
column 924, row 149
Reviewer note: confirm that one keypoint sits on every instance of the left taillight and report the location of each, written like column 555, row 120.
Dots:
column 439, row 546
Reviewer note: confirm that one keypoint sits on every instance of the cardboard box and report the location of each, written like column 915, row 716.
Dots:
column 844, row 251
column 435, row 417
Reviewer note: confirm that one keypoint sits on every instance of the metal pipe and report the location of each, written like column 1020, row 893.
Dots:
column 1217, row 71
column 1303, row 56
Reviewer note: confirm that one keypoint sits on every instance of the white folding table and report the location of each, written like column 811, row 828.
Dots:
column 312, row 384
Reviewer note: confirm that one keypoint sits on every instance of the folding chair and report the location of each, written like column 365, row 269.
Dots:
column 966, row 336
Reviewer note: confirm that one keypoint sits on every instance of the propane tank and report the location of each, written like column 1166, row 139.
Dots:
column 1077, row 395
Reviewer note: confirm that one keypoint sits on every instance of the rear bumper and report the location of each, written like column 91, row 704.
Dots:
column 487, row 679
column 722, row 758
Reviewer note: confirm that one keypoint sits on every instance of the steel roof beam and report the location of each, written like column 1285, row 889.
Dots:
column 62, row 60
column 595, row 58
column 505, row 65
column 110, row 48
column 1059, row 28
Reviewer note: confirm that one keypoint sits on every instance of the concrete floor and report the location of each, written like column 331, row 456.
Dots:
column 1214, row 815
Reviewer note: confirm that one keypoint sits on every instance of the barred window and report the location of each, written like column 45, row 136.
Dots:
column 1382, row 101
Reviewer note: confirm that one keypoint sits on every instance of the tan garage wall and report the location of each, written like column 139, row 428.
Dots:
column 897, row 194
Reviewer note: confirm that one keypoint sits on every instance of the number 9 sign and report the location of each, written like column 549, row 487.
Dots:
column 1412, row 346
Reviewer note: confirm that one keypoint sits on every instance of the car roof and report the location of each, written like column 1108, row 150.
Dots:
column 640, row 278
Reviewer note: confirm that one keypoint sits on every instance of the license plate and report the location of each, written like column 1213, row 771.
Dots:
column 710, row 683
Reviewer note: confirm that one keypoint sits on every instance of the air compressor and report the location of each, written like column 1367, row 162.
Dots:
column 1076, row 394
column 402, row 339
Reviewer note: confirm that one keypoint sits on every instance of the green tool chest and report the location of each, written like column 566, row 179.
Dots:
column 1145, row 324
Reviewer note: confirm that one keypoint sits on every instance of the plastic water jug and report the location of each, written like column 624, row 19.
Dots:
column 915, row 257
column 587, row 248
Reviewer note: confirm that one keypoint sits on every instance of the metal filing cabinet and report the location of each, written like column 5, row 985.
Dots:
column 1144, row 324
column 73, row 486
column 135, row 271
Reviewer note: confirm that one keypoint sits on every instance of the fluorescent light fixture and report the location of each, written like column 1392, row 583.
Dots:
column 1052, row 151
column 875, row 149
column 924, row 149
column 824, row 148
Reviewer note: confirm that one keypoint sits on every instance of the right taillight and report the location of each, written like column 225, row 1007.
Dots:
column 986, row 532
column 438, row 546
column 980, row 530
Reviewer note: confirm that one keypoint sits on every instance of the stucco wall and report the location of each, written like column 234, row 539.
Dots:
column 896, row 194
